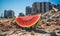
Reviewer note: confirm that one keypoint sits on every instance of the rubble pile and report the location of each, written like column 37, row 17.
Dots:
column 51, row 16
column 49, row 22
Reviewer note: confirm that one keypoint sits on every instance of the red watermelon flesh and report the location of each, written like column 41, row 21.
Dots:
column 27, row 21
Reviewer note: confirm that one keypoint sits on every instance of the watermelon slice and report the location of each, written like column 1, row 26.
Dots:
column 27, row 21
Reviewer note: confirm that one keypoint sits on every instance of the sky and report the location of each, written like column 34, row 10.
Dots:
column 19, row 6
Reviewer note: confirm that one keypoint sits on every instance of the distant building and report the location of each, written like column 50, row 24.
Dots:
column 9, row 13
column 53, row 5
column 28, row 10
column 41, row 7
column 21, row 14
column 1, row 15
column 58, row 6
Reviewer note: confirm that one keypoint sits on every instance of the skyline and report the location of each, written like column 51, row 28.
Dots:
column 19, row 6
